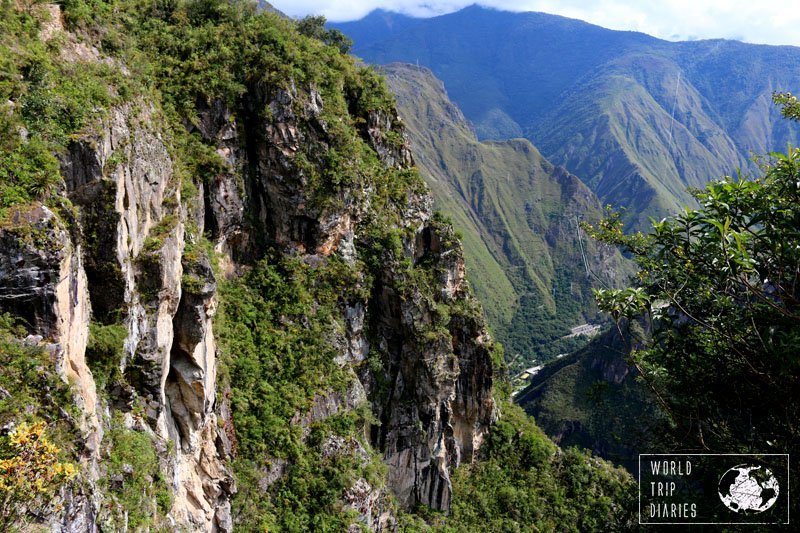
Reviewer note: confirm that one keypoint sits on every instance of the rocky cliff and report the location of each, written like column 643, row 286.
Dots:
column 294, row 192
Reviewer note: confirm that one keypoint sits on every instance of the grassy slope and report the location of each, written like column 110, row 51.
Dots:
column 625, row 144
column 516, row 212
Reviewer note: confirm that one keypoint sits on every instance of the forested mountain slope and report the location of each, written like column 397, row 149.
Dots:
column 519, row 217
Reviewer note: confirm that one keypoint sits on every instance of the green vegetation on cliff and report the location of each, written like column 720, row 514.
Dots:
column 29, row 390
column 301, row 462
column 277, row 335
column 43, row 102
column 141, row 495
column 523, row 481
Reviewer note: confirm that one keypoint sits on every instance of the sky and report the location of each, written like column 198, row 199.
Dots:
column 675, row 20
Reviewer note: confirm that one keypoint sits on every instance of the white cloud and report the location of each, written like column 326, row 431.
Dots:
column 668, row 19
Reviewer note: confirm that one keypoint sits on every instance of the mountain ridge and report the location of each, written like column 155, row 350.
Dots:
column 226, row 301
column 702, row 106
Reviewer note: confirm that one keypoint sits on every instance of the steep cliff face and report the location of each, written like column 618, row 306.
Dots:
column 121, row 263
column 300, row 196
column 429, row 383
column 436, row 404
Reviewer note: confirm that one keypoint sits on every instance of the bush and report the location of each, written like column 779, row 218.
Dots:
column 30, row 472
column 522, row 481
column 104, row 351
column 135, row 478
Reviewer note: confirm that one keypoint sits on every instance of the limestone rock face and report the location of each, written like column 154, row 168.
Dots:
column 439, row 406
column 439, row 403
column 221, row 212
column 128, row 257
column 170, row 347
column 43, row 281
column 121, row 262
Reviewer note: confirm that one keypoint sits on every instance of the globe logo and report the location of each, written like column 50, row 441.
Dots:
column 748, row 489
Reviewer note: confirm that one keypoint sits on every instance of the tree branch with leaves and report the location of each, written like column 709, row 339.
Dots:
column 721, row 285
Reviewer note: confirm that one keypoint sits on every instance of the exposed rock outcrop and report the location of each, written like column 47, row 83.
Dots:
column 138, row 248
column 42, row 280
column 434, row 399
column 437, row 370
column 124, row 175
column 121, row 261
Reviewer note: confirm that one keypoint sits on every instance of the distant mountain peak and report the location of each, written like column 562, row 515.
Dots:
column 638, row 119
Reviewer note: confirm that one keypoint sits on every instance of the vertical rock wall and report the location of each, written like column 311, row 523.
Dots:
column 438, row 405
column 128, row 257
column 122, row 179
